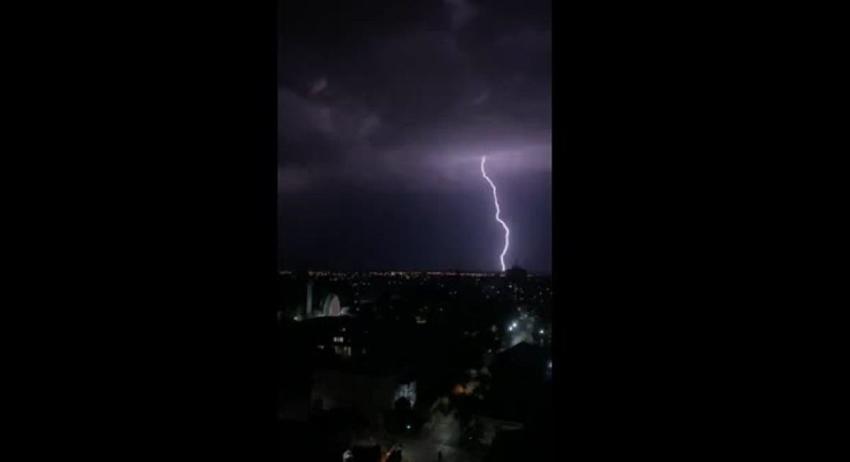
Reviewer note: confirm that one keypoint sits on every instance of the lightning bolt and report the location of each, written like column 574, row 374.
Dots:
column 498, row 212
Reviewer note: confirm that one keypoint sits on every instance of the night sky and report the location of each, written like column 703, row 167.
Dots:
column 385, row 108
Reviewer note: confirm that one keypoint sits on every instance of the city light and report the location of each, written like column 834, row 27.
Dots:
column 382, row 320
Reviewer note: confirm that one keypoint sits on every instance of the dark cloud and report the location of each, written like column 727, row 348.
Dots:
column 401, row 99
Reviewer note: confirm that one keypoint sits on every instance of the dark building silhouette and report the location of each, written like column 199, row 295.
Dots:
column 516, row 274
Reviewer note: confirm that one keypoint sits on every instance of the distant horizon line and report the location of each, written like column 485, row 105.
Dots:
column 316, row 270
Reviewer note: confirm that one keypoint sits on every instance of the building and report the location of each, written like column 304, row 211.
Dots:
column 516, row 274
column 339, row 337
column 331, row 306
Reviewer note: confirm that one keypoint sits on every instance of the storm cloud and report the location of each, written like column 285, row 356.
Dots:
column 399, row 101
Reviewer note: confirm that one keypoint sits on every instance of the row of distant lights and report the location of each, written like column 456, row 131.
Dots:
column 393, row 274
